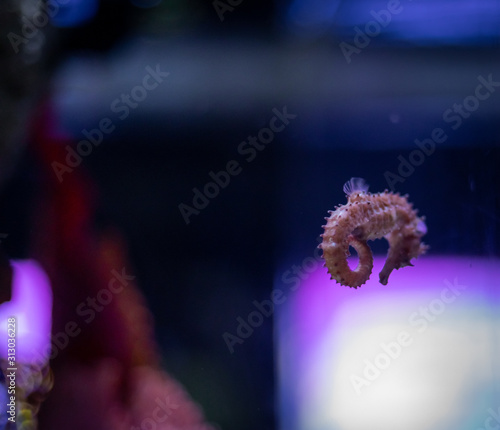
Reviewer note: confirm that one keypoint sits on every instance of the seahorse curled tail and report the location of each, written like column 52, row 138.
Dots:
column 366, row 217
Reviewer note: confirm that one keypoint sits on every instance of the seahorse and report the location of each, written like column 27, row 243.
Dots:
column 368, row 216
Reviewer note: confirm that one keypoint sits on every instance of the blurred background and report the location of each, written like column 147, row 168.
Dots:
column 288, row 99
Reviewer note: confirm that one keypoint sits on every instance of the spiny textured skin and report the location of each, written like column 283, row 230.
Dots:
column 366, row 217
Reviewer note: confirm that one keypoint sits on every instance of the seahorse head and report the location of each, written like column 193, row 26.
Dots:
column 356, row 189
column 354, row 186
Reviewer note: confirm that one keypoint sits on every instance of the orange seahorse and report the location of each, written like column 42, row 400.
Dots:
column 366, row 217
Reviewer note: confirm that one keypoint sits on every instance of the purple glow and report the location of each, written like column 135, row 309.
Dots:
column 319, row 299
column 31, row 306
column 328, row 332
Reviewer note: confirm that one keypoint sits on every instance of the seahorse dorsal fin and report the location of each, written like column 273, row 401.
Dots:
column 354, row 185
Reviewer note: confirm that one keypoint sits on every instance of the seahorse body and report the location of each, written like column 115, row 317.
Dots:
column 366, row 217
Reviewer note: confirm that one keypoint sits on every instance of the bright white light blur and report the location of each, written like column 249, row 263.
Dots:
column 425, row 387
column 420, row 354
